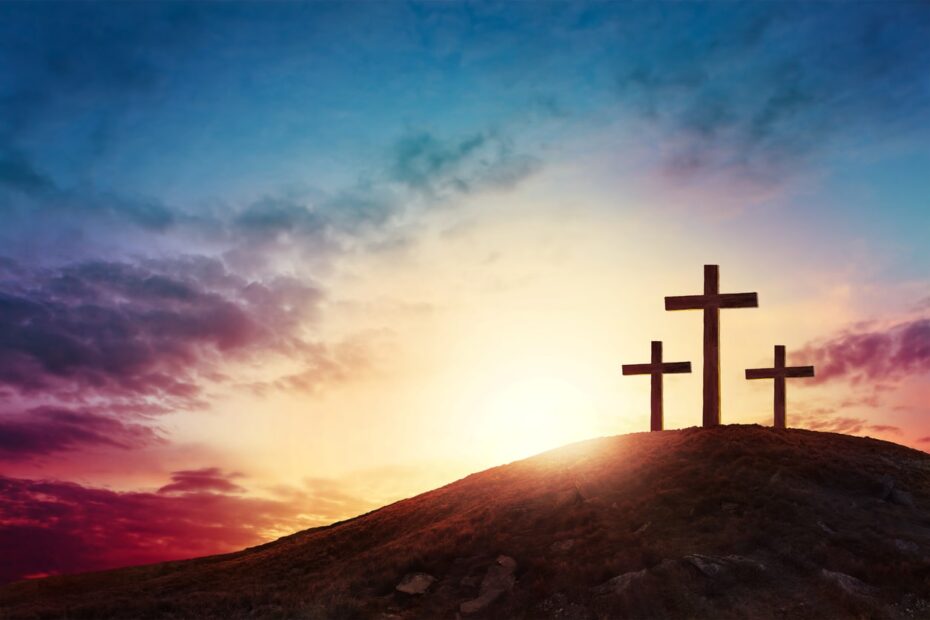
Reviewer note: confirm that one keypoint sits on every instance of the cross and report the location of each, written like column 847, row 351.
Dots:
column 656, row 368
column 780, row 373
column 711, row 302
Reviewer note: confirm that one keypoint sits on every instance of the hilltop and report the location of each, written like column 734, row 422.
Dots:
column 729, row 522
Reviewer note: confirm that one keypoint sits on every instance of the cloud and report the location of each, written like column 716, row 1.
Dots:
column 207, row 479
column 272, row 217
column 872, row 354
column 45, row 430
column 426, row 164
column 49, row 527
column 761, row 89
column 335, row 363
column 848, row 425
column 826, row 420
column 147, row 332
column 421, row 171
column 325, row 500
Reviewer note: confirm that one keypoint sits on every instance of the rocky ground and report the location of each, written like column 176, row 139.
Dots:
column 732, row 522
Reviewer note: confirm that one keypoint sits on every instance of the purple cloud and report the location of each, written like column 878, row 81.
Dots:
column 870, row 355
column 45, row 430
column 825, row 420
column 49, row 527
column 140, row 332
column 207, row 479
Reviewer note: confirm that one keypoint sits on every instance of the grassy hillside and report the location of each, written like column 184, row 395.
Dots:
column 732, row 522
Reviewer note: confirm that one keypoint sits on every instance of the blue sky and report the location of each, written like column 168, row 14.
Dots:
column 194, row 102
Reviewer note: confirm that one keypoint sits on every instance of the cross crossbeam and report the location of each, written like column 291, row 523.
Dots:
column 779, row 373
column 656, row 368
column 711, row 302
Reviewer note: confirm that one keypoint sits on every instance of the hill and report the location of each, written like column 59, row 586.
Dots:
column 730, row 522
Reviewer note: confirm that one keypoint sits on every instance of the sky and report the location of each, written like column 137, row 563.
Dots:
column 268, row 266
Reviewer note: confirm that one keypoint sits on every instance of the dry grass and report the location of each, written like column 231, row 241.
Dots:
column 745, row 490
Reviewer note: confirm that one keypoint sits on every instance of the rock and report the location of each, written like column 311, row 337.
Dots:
column 906, row 546
column 507, row 562
column 498, row 580
column 620, row 583
column 902, row 498
column 887, row 486
column 481, row 602
column 890, row 492
column 709, row 566
column 744, row 562
column 847, row 583
column 826, row 528
column 713, row 566
column 562, row 545
column 415, row 583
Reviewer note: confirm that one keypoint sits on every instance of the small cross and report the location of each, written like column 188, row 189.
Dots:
column 780, row 372
column 656, row 368
column 711, row 302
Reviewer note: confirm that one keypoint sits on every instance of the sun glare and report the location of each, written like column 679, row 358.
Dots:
column 534, row 408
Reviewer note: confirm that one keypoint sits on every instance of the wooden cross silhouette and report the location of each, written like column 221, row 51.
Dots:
column 656, row 368
column 711, row 302
column 780, row 372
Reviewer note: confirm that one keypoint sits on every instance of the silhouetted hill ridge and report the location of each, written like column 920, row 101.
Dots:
column 729, row 522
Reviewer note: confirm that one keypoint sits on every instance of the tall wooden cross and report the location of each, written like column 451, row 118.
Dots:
column 711, row 302
column 780, row 372
column 656, row 368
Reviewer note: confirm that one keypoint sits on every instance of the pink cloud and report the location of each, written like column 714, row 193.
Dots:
column 872, row 355
column 46, row 430
column 50, row 527
column 210, row 479
column 138, row 331
column 826, row 421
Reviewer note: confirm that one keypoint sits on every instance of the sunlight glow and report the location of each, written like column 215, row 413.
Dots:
column 529, row 407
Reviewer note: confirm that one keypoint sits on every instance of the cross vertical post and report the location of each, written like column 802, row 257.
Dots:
column 780, row 419
column 779, row 373
column 711, row 409
column 656, row 368
column 655, row 391
column 711, row 302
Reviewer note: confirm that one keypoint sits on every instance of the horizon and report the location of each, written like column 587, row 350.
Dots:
column 267, row 267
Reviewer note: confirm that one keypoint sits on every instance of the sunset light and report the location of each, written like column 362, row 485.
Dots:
column 330, row 271
column 526, row 406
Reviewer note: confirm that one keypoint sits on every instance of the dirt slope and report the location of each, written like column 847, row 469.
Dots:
column 733, row 522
